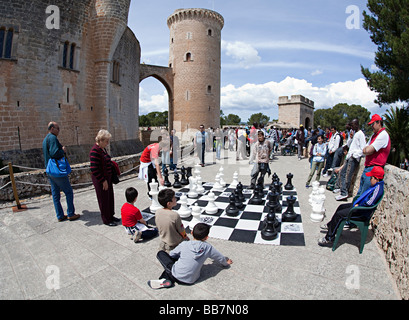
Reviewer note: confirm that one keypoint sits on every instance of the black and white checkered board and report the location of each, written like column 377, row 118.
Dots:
column 247, row 226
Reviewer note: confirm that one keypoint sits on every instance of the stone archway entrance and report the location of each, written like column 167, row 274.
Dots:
column 165, row 76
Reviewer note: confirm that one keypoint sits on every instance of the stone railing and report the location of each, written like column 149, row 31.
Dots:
column 390, row 224
column 35, row 183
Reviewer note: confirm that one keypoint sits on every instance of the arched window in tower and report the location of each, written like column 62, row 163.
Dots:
column 209, row 89
column 115, row 72
column 188, row 57
column 6, row 42
column 209, row 32
column 72, row 55
column 64, row 54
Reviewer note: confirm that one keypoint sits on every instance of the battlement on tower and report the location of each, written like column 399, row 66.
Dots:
column 195, row 13
column 295, row 99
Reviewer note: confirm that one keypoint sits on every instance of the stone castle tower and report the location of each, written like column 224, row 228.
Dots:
column 83, row 74
column 295, row 111
column 195, row 57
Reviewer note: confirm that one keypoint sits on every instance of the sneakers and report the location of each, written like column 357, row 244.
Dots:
column 341, row 197
column 336, row 191
column 325, row 243
column 325, row 175
column 137, row 236
column 307, row 185
column 159, row 284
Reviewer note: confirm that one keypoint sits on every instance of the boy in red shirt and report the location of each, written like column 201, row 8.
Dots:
column 132, row 218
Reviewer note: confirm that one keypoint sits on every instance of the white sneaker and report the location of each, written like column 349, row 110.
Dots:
column 325, row 175
column 341, row 197
column 336, row 191
column 138, row 236
column 158, row 284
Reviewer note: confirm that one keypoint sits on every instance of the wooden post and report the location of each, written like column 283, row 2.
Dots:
column 13, row 183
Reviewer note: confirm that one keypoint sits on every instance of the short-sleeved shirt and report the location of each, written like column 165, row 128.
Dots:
column 130, row 215
column 151, row 152
column 170, row 227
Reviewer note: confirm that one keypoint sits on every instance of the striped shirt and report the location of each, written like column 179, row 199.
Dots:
column 101, row 166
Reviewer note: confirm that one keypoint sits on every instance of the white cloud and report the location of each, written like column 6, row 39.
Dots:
column 316, row 72
column 264, row 97
column 242, row 53
column 147, row 103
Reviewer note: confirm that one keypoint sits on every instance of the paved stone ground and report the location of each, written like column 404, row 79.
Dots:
column 94, row 261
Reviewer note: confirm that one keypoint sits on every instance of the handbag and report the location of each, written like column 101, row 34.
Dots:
column 115, row 172
column 58, row 168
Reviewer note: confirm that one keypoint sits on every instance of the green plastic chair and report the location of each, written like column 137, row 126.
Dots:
column 362, row 225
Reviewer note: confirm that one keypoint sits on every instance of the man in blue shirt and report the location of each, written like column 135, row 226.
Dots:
column 200, row 144
column 52, row 149
column 369, row 198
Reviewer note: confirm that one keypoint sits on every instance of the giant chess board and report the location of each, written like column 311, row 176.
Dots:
column 248, row 224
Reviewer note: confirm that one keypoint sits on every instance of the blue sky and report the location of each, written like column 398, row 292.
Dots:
column 269, row 49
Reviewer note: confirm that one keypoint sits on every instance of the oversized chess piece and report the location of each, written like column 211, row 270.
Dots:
column 258, row 194
column 211, row 207
column 289, row 185
column 188, row 172
column 231, row 209
column 196, row 172
column 221, row 174
column 235, row 180
column 154, row 194
column 196, row 213
column 289, row 215
column 269, row 232
column 274, row 201
column 192, row 188
column 239, row 189
column 217, row 186
column 276, row 223
column 184, row 211
column 318, row 211
column 177, row 184
column 199, row 185
column 184, row 180
column 166, row 177
column 239, row 204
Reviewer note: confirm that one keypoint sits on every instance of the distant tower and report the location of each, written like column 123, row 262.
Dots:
column 295, row 111
column 195, row 56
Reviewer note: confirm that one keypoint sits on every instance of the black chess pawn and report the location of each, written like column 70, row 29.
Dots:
column 274, row 201
column 239, row 204
column 166, row 177
column 289, row 185
column 177, row 184
column 188, row 172
column 239, row 190
column 278, row 187
column 289, row 215
column 231, row 209
column 184, row 181
column 269, row 232
column 275, row 177
column 258, row 195
column 276, row 222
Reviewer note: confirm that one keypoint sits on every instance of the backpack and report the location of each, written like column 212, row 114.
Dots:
column 332, row 181
column 341, row 140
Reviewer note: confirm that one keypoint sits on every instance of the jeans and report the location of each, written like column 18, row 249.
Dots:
column 346, row 174
column 167, row 262
column 62, row 184
column 314, row 167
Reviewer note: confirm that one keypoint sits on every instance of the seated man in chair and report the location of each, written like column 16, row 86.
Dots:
column 369, row 198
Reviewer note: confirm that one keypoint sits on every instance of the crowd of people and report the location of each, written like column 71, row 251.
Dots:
column 329, row 151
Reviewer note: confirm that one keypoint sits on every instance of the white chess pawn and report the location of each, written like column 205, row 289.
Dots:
column 235, row 180
column 211, row 207
column 154, row 194
column 199, row 185
column 196, row 212
column 196, row 172
column 318, row 211
column 192, row 188
column 221, row 174
column 184, row 211
column 217, row 186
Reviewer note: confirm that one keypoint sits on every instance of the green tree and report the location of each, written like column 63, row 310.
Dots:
column 154, row 119
column 259, row 118
column 397, row 125
column 233, row 120
column 388, row 25
column 340, row 115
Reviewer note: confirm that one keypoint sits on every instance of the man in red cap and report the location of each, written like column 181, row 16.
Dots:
column 367, row 199
column 376, row 151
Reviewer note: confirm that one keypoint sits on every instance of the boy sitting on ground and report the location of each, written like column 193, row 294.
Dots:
column 132, row 218
column 184, row 263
